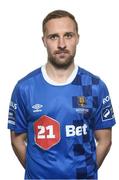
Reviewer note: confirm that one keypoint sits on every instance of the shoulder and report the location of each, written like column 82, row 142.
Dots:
column 86, row 78
column 28, row 80
column 84, row 72
column 30, row 76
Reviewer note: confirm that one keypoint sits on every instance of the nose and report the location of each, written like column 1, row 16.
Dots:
column 61, row 43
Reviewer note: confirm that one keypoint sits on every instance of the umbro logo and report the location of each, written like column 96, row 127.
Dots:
column 37, row 107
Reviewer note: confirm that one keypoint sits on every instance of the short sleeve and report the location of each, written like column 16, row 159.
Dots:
column 17, row 118
column 104, row 116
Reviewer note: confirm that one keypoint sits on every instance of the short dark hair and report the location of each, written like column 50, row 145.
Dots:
column 58, row 14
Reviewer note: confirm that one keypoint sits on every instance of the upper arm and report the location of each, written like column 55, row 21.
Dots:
column 17, row 138
column 104, row 135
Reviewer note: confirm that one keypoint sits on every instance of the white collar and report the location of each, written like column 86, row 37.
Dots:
column 50, row 81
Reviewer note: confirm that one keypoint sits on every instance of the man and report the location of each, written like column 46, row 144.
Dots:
column 60, row 115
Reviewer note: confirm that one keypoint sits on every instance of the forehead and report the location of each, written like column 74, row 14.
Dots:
column 58, row 25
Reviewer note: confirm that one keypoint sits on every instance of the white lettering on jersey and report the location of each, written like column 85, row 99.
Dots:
column 45, row 132
column 13, row 105
column 71, row 130
column 106, row 99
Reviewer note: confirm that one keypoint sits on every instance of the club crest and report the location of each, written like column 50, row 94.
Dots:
column 81, row 101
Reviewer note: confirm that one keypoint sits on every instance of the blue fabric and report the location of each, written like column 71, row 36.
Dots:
column 60, row 122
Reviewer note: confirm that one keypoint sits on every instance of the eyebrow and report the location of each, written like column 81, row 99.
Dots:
column 72, row 33
column 56, row 34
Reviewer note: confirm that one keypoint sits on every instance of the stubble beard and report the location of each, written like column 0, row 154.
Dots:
column 59, row 64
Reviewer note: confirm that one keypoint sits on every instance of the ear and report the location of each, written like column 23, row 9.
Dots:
column 44, row 41
column 78, row 37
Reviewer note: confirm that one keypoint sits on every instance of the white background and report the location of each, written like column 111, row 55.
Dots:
column 21, row 51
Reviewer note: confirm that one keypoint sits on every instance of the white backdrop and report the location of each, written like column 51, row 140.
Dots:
column 21, row 51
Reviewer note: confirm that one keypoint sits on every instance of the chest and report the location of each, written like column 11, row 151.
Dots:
column 66, row 102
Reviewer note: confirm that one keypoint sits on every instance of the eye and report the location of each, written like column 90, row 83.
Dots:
column 68, row 35
column 54, row 37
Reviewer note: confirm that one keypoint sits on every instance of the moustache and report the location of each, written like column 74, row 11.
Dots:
column 61, row 51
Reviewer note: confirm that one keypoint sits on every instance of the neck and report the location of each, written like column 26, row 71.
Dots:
column 59, row 75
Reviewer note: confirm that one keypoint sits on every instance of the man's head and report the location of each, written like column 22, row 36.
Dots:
column 60, row 37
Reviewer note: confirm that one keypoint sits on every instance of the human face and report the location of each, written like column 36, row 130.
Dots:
column 61, row 38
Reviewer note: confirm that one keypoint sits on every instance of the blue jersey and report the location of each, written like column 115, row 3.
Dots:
column 60, row 121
